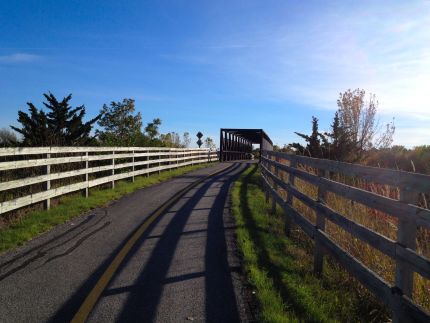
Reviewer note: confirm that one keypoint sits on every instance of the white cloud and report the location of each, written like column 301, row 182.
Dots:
column 18, row 58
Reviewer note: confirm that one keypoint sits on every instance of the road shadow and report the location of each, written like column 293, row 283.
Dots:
column 221, row 304
column 145, row 294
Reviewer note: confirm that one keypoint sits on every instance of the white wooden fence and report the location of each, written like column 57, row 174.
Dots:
column 85, row 167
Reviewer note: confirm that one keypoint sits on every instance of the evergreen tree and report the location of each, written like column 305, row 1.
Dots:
column 61, row 126
column 313, row 148
column 340, row 145
column 34, row 127
column 65, row 124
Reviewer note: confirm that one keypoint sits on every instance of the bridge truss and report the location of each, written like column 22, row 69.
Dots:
column 236, row 144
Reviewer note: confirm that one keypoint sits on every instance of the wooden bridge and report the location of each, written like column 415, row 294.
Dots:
column 236, row 144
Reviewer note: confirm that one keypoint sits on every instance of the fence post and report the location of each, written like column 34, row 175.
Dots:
column 86, row 174
column 320, row 223
column 159, row 163
column 113, row 169
column 275, row 186
column 147, row 164
column 48, row 183
column 132, row 178
column 267, row 193
column 406, row 237
column 291, row 180
column 266, row 186
column 177, row 159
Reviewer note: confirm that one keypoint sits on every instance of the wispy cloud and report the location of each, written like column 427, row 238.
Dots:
column 383, row 48
column 314, row 64
column 18, row 58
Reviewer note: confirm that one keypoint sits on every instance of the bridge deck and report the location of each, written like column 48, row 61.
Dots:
column 183, row 267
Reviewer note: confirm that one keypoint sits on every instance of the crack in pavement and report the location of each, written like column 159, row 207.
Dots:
column 78, row 243
column 42, row 253
column 22, row 255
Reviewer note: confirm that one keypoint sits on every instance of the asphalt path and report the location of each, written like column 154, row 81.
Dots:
column 179, row 264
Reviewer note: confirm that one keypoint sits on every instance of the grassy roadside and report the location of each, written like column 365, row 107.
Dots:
column 37, row 222
column 280, row 268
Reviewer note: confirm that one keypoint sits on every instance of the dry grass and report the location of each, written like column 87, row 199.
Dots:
column 378, row 221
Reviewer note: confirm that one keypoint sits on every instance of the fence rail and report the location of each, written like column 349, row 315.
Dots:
column 397, row 297
column 124, row 162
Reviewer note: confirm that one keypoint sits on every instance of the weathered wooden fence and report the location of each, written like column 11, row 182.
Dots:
column 83, row 167
column 410, row 217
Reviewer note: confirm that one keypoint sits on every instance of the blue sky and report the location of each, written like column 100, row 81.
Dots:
column 202, row 65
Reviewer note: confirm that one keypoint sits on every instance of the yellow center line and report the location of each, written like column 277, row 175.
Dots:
column 92, row 298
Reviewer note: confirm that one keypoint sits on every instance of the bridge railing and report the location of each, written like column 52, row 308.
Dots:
column 281, row 174
column 35, row 175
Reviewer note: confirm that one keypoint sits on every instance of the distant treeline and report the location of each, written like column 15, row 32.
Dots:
column 60, row 124
column 416, row 159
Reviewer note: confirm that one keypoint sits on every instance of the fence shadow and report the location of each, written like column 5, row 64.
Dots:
column 263, row 257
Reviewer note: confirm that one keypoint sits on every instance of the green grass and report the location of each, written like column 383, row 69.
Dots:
column 280, row 268
column 37, row 222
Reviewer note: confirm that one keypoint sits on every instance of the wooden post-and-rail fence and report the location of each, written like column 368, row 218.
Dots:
column 397, row 297
column 36, row 175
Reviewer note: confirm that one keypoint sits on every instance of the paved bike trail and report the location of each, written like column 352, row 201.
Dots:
column 184, row 267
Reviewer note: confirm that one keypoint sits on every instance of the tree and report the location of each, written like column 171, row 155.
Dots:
column 385, row 139
column 8, row 138
column 34, row 127
column 357, row 119
column 186, row 140
column 199, row 141
column 209, row 143
column 61, row 126
column 152, row 129
column 287, row 149
column 121, row 127
column 313, row 148
column 354, row 131
column 339, row 147
column 171, row 139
